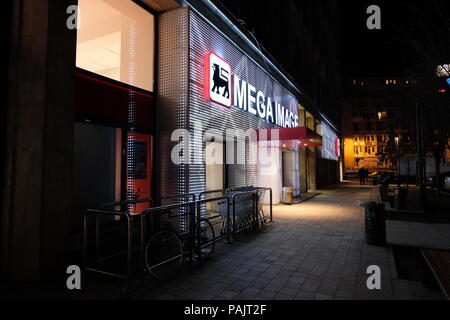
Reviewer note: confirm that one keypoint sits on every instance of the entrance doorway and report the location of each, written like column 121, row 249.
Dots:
column 110, row 165
column 291, row 170
column 96, row 168
column 139, row 169
column 214, row 173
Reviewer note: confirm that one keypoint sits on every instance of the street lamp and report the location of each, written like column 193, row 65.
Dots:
column 398, row 157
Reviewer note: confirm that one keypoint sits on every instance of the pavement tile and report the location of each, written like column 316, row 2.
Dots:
column 315, row 250
column 322, row 296
column 305, row 295
column 284, row 297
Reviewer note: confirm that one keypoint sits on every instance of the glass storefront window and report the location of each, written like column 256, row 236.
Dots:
column 116, row 40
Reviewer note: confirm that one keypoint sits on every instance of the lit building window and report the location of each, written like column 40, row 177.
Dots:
column 116, row 40
column 443, row 70
column 382, row 115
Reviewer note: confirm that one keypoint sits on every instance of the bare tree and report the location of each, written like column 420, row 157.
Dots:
column 429, row 41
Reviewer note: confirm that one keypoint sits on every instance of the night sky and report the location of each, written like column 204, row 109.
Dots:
column 385, row 52
column 362, row 52
column 365, row 52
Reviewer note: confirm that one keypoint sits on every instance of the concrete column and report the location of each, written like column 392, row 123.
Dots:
column 301, row 117
column 36, row 195
column 311, row 154
column 303, row 170
column 291, row 172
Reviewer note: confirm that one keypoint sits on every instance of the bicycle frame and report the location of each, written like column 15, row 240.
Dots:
column 193, row 214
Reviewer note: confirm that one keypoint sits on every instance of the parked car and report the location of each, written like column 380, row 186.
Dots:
column 351, row 176
column 444, row 181
column 375, row 176
column 388, row 177
column 447, row 184
column 431, row 181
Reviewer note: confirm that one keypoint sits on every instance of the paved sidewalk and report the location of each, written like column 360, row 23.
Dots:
column 415, row 234
column 314, row 250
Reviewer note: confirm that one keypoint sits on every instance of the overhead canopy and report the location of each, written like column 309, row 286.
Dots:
column 290, row 137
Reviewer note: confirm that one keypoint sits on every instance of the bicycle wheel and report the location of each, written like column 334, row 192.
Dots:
column 207, row 238
column 164, row 255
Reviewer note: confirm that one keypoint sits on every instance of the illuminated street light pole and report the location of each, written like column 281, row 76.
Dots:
column 397, row 148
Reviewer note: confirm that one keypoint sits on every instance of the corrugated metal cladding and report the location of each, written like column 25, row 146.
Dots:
column 184, row 39
column 204, row 38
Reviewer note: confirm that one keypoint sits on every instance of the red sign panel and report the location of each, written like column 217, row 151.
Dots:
column 337, row 146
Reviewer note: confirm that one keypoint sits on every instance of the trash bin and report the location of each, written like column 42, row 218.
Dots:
column 375, row 223
column 288, row 195
column 400, row 198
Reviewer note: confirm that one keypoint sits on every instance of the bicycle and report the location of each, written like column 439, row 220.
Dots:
column 167, row 250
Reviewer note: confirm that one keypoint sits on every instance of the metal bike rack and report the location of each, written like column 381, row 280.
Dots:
column 204, row 193
column 192, row 208
column 254, row 192
column 193, row 213
column 113, row 213
column 233, row 201
column 262, row 189
column 186, row 196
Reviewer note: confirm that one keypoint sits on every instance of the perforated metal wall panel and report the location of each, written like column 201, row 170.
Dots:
column 184, row 39
column 204, row 38
column 173, row 95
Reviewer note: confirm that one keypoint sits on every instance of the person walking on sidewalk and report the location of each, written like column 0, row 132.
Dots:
column 362, row 176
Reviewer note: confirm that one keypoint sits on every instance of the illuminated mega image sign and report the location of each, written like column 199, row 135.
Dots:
column 227, row 89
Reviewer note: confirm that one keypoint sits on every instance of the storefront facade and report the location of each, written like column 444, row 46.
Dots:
column 193, row 56
column 115, row 104
column 328, row 158
column 146, row 99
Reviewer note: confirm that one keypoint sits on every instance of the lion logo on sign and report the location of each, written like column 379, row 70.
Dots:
column 220, row 81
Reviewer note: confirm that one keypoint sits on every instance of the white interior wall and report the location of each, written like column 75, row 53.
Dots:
column 214, row 166
column 291, row 170
column 270, row 172
column 116, row 40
